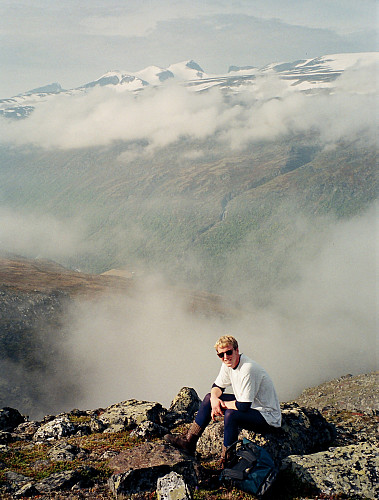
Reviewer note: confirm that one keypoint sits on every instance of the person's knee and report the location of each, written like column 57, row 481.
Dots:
column 207, row 398
column 206, row 403
column 230, row 417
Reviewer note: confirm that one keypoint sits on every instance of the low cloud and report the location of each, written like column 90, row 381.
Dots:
column 320, row 326
column 35, row 234
column 162, row 116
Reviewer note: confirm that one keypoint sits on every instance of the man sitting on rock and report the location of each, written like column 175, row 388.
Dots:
column 253, row 405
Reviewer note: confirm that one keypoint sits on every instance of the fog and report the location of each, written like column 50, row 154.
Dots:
column 34, row 233
column 307, row 298
column 322, row 325
column 160, row 116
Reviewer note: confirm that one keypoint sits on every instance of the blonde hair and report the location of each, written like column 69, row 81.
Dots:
column 226, row 340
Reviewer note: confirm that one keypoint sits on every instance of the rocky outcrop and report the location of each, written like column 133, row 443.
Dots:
column 328, row 451
column 130, row 414
column 356, row 394
column 350, row 470
column 303, row 431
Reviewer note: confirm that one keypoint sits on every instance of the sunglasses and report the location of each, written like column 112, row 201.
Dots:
column 228, row 353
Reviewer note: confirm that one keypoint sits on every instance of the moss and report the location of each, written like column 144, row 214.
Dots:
column 82, row 419
column 99, row 442
column 30, row 461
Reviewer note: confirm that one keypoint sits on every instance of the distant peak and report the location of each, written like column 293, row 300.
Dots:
column 240, row 68
column 193, row 65
column 51, row 88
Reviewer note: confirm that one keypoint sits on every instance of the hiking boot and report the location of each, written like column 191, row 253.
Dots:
column 186, row 442
column 222, row 461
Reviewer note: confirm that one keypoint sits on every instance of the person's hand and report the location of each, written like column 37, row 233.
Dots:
column 228, row 405
column 217, row 408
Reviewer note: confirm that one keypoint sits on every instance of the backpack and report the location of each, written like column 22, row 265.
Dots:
column 249, row 467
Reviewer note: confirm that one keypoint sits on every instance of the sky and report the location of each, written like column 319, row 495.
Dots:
column 73, row 42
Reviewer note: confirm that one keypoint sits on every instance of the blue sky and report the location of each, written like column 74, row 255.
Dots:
column 75, row 41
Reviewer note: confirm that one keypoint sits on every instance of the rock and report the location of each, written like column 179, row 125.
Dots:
column 353, row 427
column 149, row 430
column 10, row 418
column 55, row 429
column 28, row 490
column 65, row 452
column 6, row 437
column 66, row 479
column 210, row 443
column 137, row 470
column 183, row 407
column 172, row 487
column 26, row 430
column 96, row 425
column 15, row 480
column 304, row 430
column 130, row 414
column 353, row 393
column 349, row 470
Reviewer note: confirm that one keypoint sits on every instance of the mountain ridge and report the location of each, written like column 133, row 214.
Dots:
column 307, row 74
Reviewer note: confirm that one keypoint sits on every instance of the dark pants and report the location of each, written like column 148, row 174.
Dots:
column 233, row 419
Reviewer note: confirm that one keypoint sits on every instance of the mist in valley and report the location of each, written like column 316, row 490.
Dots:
column 317, row 327
column 300, row 290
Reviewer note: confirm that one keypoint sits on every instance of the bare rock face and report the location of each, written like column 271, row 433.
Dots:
column 349, row 470
column 129, row 414
column 137, row 470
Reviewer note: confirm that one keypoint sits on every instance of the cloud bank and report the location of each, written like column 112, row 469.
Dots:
column 162, row 116
column 322, row 325
column 35, row 234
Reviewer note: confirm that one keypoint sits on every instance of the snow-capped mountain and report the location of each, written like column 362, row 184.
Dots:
column 303, row 75
column 152, row 75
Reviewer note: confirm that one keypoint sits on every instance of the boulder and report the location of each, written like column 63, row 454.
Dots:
column 66, row 479
column 129, row 414
column 55, row 429
column 349, row 470
column 6, row 438
column 26, row 430
column 210, row 443
column 138, row 469
column 304, row 430
column 172, row 487
column 28, row 490
column 183, row 407
column 64, row 451
column 16, row 481
column 149, row 430
column 10, row 418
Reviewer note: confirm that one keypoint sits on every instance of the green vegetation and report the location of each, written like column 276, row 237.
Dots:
column 162, row 212
column 33, row 460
